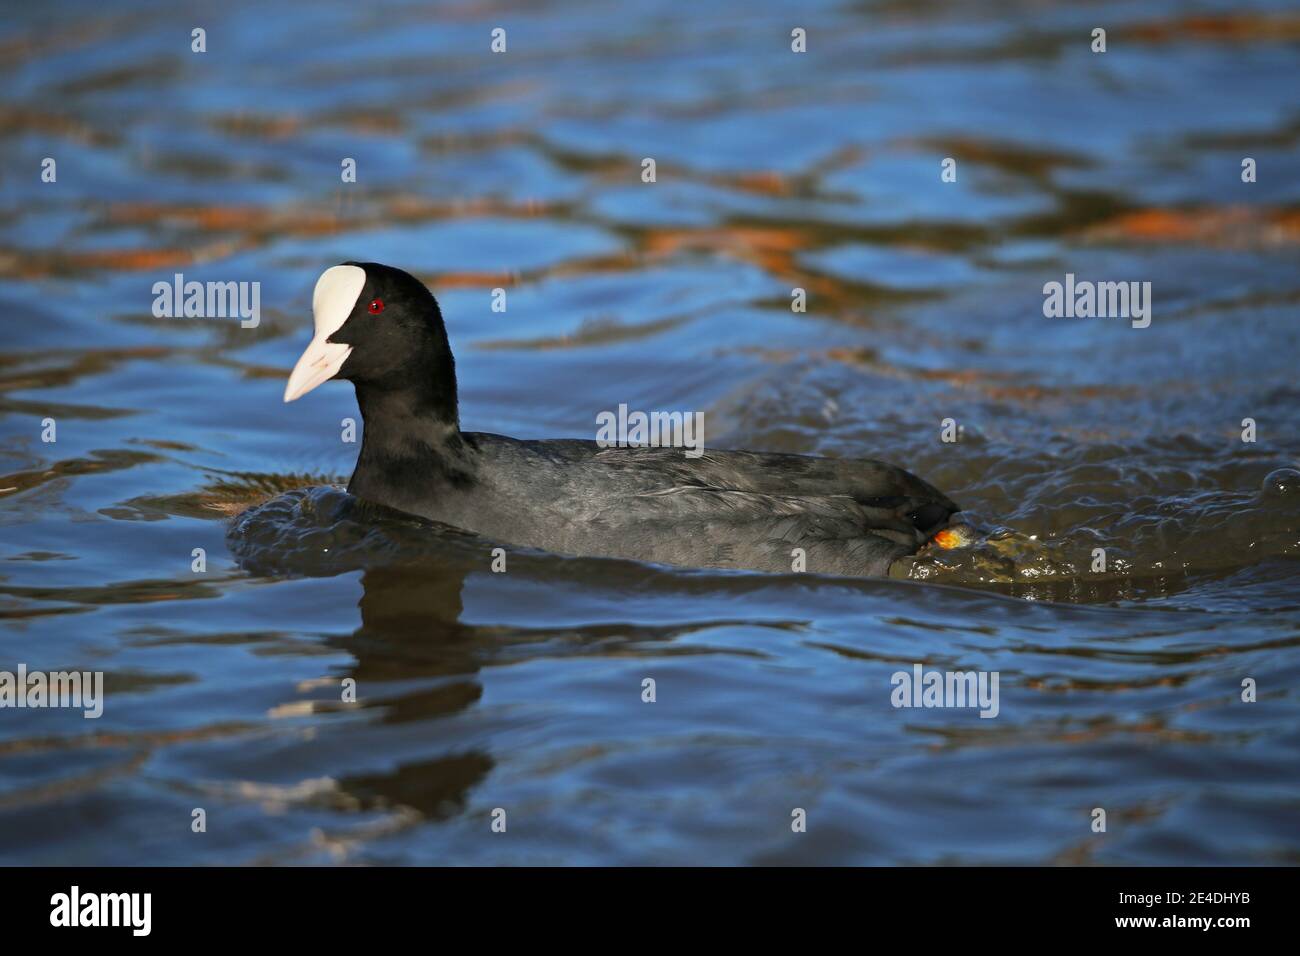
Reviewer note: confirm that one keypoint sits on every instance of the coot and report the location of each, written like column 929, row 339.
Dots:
column 381, row 329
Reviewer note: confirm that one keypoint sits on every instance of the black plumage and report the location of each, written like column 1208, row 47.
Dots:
column 725, row 509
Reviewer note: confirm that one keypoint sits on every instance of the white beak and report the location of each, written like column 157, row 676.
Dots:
column 332, row 302
column 320, row 363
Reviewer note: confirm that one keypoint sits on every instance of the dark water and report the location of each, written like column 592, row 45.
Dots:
column 1119, row 689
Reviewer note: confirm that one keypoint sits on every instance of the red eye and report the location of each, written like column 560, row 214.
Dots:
column 376, row 306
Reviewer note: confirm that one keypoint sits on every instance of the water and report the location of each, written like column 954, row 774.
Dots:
column 475, row 691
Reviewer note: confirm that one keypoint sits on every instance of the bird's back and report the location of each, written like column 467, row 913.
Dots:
column 729, row 509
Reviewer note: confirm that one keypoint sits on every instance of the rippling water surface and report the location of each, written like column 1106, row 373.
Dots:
column 1119, row 689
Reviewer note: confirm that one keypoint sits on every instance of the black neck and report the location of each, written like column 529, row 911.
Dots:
column 411, row 439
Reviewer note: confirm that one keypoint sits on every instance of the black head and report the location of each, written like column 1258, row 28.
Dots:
column 381, row 329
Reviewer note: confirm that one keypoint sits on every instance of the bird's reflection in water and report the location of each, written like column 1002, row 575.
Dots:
column 435, row 789
column 411, row 631
column 411, row 626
